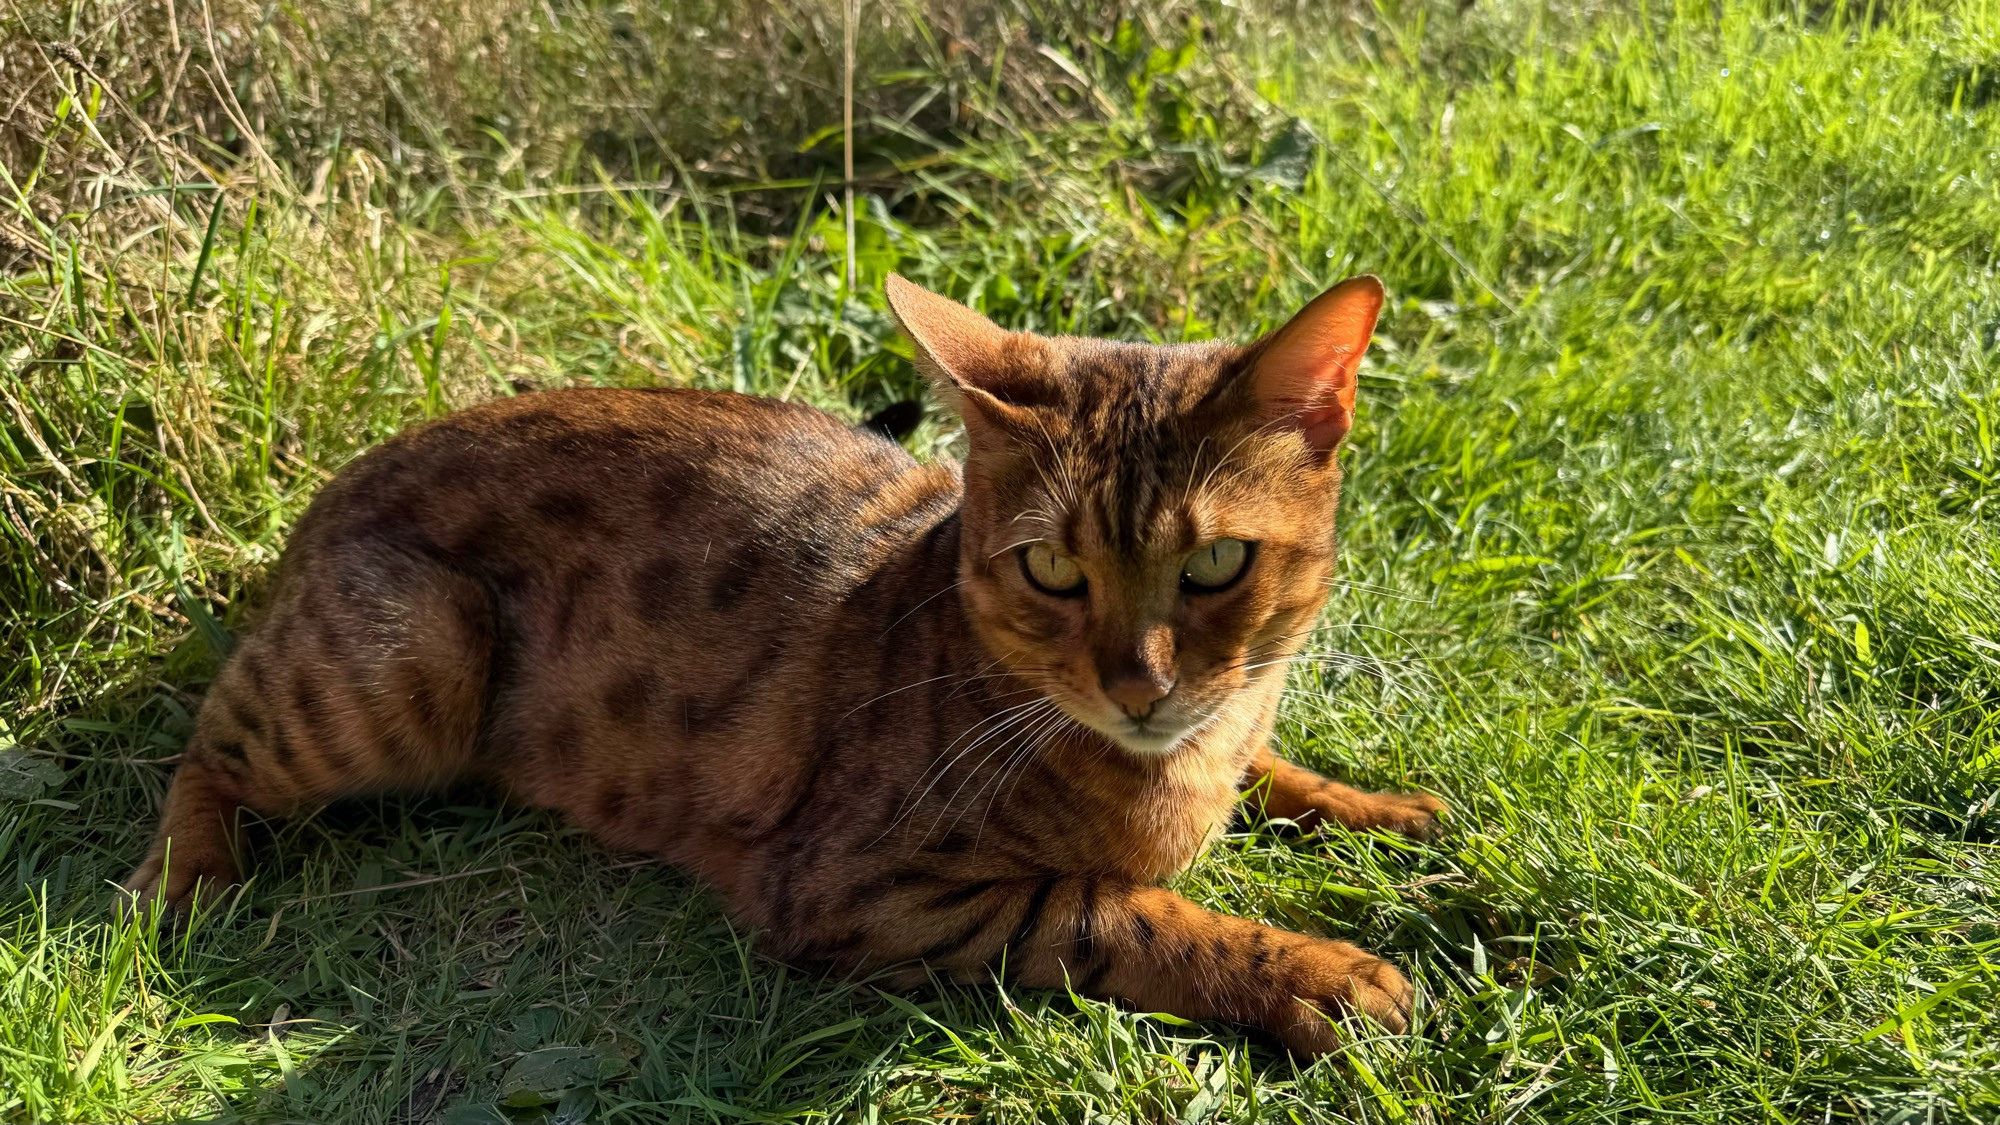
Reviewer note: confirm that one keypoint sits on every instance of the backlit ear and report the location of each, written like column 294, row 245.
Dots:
column 988, row 373
column 1303, row 375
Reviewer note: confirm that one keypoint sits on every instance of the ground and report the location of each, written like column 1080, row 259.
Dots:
column 1670, row 546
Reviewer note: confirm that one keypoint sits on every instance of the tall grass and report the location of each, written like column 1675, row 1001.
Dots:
column 1668, row 551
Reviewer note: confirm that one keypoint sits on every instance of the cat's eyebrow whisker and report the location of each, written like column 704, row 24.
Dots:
column 1068, row 493
column 1226, row 459
column 1014, row 545
column 1062, row 464
column 1194, row 465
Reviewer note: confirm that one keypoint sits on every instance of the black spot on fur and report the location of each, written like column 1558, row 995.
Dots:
column 281, row 749
column 566, row 507
column 962, row 894
column 704, row 715
column 869, row 893
column 484, row 541
column 608, row 443
column 574, row 588
column 1086, row 921
column 1031, row 918
column 249, row 722
column 736, row 578
column 956, row 940
column 611, row 804
column 658, row 589
column 951, row 843
column 1093, row 982
column 561, row 735
column 311, row 703
column 630, row 697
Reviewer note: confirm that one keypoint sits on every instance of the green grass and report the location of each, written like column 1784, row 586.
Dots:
column 1671, row 550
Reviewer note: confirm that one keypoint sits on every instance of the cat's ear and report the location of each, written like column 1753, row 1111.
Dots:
column 1303, row 375
column 988, row 373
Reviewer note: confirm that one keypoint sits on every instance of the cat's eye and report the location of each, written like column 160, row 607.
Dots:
column 1051, row 571
column 1216, row 567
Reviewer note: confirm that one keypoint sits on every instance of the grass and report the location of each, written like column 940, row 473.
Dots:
column 1671, row 551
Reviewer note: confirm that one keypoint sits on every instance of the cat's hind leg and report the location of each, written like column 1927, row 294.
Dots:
column 371, row 673
column 1278, row 788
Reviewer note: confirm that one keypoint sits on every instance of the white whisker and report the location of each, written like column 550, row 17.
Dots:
column 920, row 605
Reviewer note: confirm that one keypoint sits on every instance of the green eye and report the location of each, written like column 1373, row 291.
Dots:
column 1051, row 571
column 1216, row 566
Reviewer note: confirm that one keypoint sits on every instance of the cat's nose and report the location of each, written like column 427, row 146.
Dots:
column 1136, row 695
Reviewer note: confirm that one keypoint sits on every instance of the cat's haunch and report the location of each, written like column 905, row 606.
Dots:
column 892, row 712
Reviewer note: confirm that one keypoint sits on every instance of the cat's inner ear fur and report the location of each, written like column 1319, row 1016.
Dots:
column 990, row 375
column 1303, row 375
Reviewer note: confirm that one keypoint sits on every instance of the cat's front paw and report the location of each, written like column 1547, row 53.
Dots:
column 1415, row 815
column 1408, row 814
column 1329, row 978
column 177, row 886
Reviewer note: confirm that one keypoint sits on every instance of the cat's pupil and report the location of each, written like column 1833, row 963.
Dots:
column 1215, row 566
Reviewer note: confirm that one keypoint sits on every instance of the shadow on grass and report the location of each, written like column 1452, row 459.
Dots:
column 451, row 958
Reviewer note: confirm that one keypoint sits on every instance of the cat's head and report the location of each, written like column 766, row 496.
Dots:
column 1148, row 530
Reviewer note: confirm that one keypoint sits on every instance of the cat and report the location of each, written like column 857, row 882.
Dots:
column 894, row 713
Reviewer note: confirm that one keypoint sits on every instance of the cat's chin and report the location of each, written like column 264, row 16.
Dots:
column 1150, row 740
column 1152, row 743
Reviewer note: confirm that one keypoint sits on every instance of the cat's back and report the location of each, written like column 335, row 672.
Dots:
column 519, row 485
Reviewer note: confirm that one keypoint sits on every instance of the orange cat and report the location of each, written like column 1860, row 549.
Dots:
column 892, row 712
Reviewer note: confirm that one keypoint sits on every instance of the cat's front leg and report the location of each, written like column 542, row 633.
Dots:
column 1280, row 789
column 1109, row 938
column 1160, row 952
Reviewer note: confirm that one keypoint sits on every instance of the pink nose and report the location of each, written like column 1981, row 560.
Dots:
column 1135, row 695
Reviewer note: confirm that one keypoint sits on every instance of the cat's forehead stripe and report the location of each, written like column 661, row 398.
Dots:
column 1129, row 443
